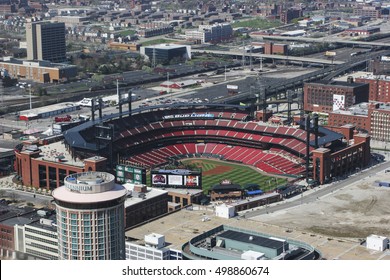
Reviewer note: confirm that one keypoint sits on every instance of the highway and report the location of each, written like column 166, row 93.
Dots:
column 316, row 193
column 273, row 56
column 322, row 40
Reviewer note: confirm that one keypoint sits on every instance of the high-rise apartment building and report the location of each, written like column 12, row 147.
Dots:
column 46, row 41
column 90, row 217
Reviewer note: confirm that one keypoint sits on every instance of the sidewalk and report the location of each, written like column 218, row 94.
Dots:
column 6, row 182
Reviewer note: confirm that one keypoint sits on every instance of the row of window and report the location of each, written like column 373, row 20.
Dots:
column 43, row 247
column 44, row 240
column 43, row 233
column 41, row 254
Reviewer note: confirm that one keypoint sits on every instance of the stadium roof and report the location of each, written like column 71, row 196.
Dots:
column 75, row 140
column 329, row 136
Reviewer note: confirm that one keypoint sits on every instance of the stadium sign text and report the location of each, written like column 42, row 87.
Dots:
column 189, row 116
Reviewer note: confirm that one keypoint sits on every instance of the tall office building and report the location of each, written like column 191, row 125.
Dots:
column 46, row 41
column 90, row 217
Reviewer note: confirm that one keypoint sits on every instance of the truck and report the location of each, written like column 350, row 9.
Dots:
column 330, row 54
column 66, row 118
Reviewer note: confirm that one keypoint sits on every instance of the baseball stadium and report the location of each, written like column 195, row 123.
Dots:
column 155, row 136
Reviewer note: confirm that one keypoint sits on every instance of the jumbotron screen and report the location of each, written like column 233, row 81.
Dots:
column 177, row 178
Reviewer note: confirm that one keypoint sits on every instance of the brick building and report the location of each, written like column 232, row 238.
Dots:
column 272, row 48
column 328, row 165
column 38, row 71
column 379, row 86
column 355, row 115
column 9, row 217
column 327, row 96
column 379, row 118
column 380, row 66
column 288, row 15
column 373, row 118
column 46, row 166
column 143, row 204
column 373, row 12
column 362, row 31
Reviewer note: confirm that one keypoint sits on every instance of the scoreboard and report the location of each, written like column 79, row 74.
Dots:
column 130, row 174
column 177, row 178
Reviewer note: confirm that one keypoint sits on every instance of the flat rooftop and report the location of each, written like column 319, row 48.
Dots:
column 338, row 83
column 370, row 76
column 357, row 110
column 63, row 194
column 166, row 46
column 52, row 152
column 361, row 109
column 50, row 108
column 354, row 75
column 40, row 225
column 181, row 226
column 252, row 239
column 184, row 191
column 135, row 198
column 252, row 199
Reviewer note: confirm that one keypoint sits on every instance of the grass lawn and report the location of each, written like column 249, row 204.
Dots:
column 127, row 32
column 256, row 23
column 213, row 172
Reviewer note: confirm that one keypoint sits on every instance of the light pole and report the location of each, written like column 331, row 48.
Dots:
column 261, row 64
column 29, row 89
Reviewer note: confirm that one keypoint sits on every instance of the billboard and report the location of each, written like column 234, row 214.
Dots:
column 233, row 87
column 338, row 102
column 178, row 178
column 385, row 58
column 130, row 174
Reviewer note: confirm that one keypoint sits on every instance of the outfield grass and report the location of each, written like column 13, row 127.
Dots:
column 238, row 174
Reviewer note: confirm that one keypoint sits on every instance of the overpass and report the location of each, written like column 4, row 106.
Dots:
column 322, row 40
column 272, row 56
column 328, row 73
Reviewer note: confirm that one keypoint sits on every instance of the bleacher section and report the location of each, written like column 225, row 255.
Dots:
column 212, row 129
column 275, row 160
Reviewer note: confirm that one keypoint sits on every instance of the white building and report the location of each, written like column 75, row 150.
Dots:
column 211, row 33
column 38, row 239
column 151, row 248
column 376, row 242
column 90, row 217
column 225, row 211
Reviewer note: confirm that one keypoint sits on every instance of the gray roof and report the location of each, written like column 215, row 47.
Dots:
column 253, row 239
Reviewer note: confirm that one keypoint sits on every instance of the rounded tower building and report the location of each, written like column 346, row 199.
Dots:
column 90, row 217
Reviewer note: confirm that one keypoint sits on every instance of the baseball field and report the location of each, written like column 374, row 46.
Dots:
column 213, row 172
